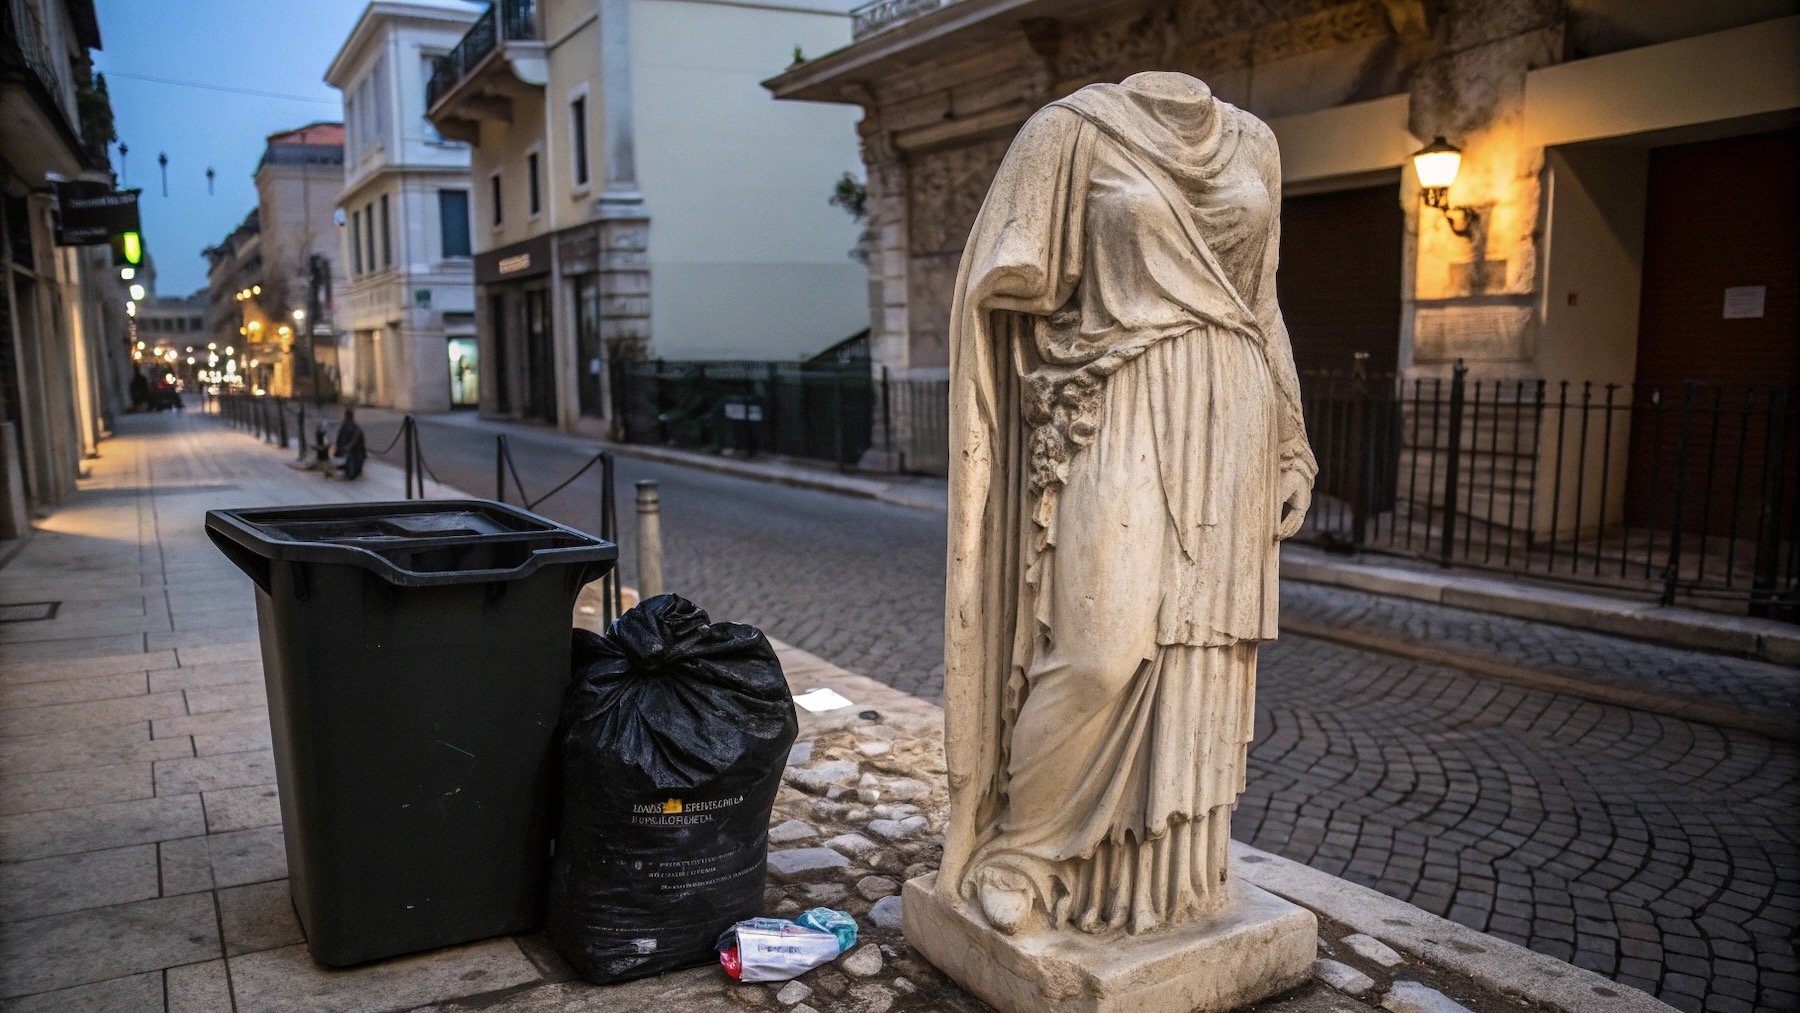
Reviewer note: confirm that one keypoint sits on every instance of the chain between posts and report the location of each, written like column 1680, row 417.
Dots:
column 505, row 467
column 252, row 415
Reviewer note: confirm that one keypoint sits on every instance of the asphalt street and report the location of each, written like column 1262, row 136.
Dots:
column 1654, row 849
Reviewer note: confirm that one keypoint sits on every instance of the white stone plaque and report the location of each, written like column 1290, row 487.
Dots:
column 1745, row 302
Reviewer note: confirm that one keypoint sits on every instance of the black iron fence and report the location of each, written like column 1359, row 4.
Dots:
column 831, row 412
column 1690, row 492
column 821, row 411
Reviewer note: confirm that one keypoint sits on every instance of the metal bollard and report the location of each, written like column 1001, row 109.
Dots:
column 649, row 549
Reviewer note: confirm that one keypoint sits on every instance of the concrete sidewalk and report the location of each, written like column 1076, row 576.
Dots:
column 142, row 864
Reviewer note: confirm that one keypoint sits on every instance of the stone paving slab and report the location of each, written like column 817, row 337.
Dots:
column 116, row 995
column 79, row 947
column 86, row 879
column 198, row 988
column 87, row 747
column 287, row 980
column 258, row 916
column 96, row 827
column 99, row 687
column 74, row 787
column 213, row 861
column 17, row 672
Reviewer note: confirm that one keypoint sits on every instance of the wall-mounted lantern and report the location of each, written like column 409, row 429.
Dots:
column 1437, row 164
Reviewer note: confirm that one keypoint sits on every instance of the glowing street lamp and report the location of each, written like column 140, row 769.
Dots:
column 1437, row 164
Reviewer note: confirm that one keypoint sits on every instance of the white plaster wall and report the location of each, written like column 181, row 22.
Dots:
column 747, row 258
column 1740, row 72
column 503, row 147
column 1588, row 331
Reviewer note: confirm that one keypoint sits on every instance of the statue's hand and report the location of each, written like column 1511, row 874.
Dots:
column 1295, row 492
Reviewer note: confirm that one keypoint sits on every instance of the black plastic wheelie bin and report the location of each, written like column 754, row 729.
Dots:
column 415, row 656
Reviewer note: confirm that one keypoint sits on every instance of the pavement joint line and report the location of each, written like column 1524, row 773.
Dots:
column 1667, row 704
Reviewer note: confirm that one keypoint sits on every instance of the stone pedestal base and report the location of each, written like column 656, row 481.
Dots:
column 1258, row 946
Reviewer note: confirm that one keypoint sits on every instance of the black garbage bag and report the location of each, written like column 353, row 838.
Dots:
column 675, row 731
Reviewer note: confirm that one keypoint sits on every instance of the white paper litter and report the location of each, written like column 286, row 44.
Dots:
column 822, row 699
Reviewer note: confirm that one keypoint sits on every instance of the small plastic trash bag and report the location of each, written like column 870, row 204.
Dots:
column 674, row 734
column 775, row 949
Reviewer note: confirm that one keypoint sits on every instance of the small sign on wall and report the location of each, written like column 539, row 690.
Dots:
column 1745, row 302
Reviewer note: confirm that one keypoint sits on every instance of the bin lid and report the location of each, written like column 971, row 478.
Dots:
column 412, row 543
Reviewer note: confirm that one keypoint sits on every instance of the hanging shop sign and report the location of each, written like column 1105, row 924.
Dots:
column 89, row 213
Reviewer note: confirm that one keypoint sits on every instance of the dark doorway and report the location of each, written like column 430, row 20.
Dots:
column 503, row 336
column 589, row 367
column 1720, row 307
column 540, row 372
column 1339, row 281
column 1721, row 215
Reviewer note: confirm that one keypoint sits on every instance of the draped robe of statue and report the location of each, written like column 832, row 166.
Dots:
column 1124, row 409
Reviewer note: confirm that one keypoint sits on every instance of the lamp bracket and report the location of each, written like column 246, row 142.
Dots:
column 1461, row 219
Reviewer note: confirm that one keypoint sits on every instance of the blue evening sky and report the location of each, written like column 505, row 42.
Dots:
column 272, row 46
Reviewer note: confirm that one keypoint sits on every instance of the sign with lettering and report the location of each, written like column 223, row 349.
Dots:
column 89, row 213
column 1745, row 302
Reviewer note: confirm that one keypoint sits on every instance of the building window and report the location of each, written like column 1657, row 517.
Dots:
column 428, row 60
column 494, row 193
column 578, row 124
column 453, row 222
column 531, row 174
column 356, row 261
column 369, row 234
column 387, row 246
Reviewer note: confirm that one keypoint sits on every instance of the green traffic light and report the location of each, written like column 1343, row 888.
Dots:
column 132, row 245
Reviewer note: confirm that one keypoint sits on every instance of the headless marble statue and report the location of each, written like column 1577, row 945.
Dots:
column 1128, row 451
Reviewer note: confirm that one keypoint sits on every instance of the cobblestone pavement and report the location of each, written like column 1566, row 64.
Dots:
column 1654, row 849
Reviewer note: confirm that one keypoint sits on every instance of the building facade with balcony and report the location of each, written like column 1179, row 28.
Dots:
column 408, row 311
column 271, row 281
column 1624, row 219
column 297, row 184
column 233, row 278
column 635, row 192
column 63, row 330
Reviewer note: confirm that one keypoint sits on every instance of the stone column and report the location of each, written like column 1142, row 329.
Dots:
column 1475, row 297
column 623, row 260
column 889, row 334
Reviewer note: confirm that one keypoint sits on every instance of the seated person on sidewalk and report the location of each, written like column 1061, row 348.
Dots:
column 349, row 445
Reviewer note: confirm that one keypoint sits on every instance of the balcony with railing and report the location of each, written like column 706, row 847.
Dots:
column 500, row 58
column 884, row 14
column 41, row 127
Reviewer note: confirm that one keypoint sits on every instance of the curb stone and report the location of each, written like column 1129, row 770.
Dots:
column 1494, row 963
column 1669, row 625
